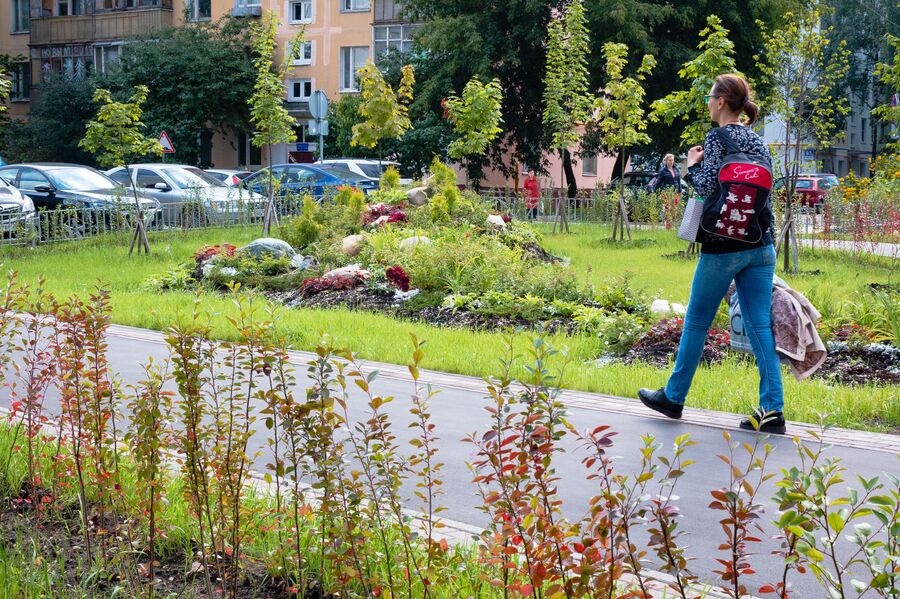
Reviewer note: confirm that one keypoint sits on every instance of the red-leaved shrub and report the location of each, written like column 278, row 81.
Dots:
column 397, row 277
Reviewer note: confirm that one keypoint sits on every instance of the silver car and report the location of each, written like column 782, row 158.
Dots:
column 17, row 213
column 190, row 196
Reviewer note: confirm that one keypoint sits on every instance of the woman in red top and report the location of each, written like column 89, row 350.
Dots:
column 532, row 196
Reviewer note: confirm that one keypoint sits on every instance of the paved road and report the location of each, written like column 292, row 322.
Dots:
column 458, row 411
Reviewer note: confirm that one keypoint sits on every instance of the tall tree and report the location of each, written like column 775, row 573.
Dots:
column 116, row 138
column 476, row 118
column 385, row 113
column 567, row 99
column 865, row 27
column 888, row 75
column 63, row 106
column 200, row 76
column 271, row 120
column 802, row 75
column 621, row 115
column 689, row 108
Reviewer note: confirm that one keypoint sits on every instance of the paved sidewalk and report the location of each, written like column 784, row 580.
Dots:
column 589, row 401
column 890, row 250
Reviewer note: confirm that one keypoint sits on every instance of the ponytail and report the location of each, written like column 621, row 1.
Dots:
column 736, row 92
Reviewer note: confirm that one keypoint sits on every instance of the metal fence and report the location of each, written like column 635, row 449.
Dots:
column 72, row 223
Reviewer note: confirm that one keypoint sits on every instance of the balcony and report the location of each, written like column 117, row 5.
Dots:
column 100, row 26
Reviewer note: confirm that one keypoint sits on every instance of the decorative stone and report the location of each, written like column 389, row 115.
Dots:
column 268, row 245
column 228, row 271
column 410, row 243
column 207, row 268
column 351, row 270
column 352, row 244
column 496, row 221
column 381, row 220
column 662, row 307
column 301, row 262
column 417, row 196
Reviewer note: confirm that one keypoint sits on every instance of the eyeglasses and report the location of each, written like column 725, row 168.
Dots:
column 709, row 97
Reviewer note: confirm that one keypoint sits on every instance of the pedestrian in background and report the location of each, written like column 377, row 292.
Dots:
column 750, row 265
column 669, row 176
column 532, row 195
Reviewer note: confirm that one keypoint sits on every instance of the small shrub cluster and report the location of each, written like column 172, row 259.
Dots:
column 316, row 285
column 391, row 213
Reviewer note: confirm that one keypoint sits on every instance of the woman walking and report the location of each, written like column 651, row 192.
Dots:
column 668, row 176
column 750, row 265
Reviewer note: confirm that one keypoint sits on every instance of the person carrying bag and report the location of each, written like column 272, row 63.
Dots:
column 731, row 172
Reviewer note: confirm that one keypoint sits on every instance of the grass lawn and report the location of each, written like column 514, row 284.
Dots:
column 77, row 267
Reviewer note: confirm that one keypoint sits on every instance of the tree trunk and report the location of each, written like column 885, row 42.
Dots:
column 271, row 214
column 569, row 170
column 140, row 232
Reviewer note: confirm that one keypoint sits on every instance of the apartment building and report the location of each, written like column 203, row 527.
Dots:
column 73, row 37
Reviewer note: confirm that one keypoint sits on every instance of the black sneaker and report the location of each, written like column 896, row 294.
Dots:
column 657, row 401
column 769, row 422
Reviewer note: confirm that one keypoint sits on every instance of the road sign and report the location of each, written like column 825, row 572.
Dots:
column 809, row 154
column 166, row 143
column 316, row 127
column 301, row 147
column 318, row 105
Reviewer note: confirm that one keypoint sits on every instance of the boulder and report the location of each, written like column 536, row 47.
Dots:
column 663, row 308
column 351, row 270
column 410, row 243
column 268, row 245
column 496, row 221
column 301, row 262
column 417, row 196
column 381, row 220
column 351, row 244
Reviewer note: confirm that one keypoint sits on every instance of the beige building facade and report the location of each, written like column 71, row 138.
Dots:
column 73, row 37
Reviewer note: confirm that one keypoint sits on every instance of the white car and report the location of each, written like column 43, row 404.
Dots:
column 17, row 213
column 178, row 187
column 371, row 169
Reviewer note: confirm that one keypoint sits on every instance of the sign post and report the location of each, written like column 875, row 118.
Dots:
column 318, row 108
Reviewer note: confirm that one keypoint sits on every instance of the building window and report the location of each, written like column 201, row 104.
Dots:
column 355, row 5
column 864, row 126
column 67, row 8
column 589, row 165
column 200, row 10
column 105, row 55
column 19, row 16
column 304, row 55
column 302, row 11
column 71, row 62
column 299, row 90
column 21, row 81
column 352, row 59
column 392, row 37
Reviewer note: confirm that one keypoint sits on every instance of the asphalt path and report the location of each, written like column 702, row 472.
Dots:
column 458, row 410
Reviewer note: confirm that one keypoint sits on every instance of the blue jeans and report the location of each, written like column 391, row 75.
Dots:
column 753, row 271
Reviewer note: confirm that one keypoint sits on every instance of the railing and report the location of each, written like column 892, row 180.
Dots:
column 100, row 26
column 66, row 224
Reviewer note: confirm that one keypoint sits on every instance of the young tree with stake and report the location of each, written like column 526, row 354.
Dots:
column 115, row 139
column 567, row 100
column 802, row 75
column 273, row 123
column 476, row 118
column 386, row 113
column 621, row 116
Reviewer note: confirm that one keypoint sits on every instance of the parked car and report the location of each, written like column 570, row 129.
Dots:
column 228, row 177
column 371, row 169
column 189, row 195
column 96, row 197
column 17, row 213
column 811, row 189
column 300, row 179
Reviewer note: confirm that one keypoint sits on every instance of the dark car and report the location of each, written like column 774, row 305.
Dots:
column 300, row 179
column 52, row 186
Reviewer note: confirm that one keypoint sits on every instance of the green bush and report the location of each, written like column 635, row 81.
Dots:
column 302, row 231
column 178, row 278
column 390, row 179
